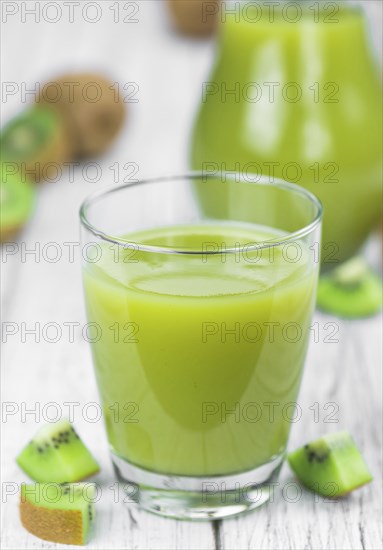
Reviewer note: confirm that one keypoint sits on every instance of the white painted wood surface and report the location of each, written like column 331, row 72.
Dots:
column 168, row 71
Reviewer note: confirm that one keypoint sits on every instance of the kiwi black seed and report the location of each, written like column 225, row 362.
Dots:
column 196, row 18
column 316, row 455
column 57, row 454
column 331, row 466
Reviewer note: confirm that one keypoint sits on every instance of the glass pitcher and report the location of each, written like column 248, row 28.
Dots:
column 295, row 93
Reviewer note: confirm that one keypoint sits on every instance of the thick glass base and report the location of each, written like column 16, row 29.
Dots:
column 197, row 498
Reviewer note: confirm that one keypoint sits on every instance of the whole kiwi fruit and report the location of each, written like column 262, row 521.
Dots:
column 196, row 18
column 92, row 107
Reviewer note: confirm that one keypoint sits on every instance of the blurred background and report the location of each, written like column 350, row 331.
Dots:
column 162, row 107
column 132, row 43
column 164, row 70
column 158, row 56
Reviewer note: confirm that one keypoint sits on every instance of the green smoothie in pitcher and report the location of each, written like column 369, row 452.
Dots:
column 295, row 93
column 200, row 355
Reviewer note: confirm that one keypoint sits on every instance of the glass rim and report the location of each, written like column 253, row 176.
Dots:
column 238, row 178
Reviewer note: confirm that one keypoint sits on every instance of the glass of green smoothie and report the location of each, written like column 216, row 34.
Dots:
column 202, row 328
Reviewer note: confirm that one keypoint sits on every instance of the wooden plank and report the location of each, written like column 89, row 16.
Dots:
column 347, row 374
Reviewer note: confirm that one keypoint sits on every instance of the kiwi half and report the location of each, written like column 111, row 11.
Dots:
column 331, row 466
column 17, row 199
column 351, row 291
column 58, row 513
column 57, row 454
column 196, row 18
column 93, row 109
column 36, row 142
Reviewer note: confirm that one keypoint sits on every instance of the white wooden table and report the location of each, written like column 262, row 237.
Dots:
column 342, row 377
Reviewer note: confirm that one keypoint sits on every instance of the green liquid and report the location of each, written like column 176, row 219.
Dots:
column 168, row 389
column 316, row 123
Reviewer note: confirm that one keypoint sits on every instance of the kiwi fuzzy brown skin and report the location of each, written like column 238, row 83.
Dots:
column 61, row 526
column 191, row 17
column 65, row 516
column 91, row 107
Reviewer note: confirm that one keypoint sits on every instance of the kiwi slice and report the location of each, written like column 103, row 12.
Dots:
column 58, row 513
column 331, row 466
column 197, row 18
column 57, row 454
column 92, row 108
column 352, row 290
column 17, row 199
column 36, row 142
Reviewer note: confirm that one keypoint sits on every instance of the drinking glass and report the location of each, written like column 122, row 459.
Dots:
column 201, row 329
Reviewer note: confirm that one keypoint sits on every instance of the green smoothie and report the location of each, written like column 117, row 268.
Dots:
column 299, row 100
column 201, row 355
